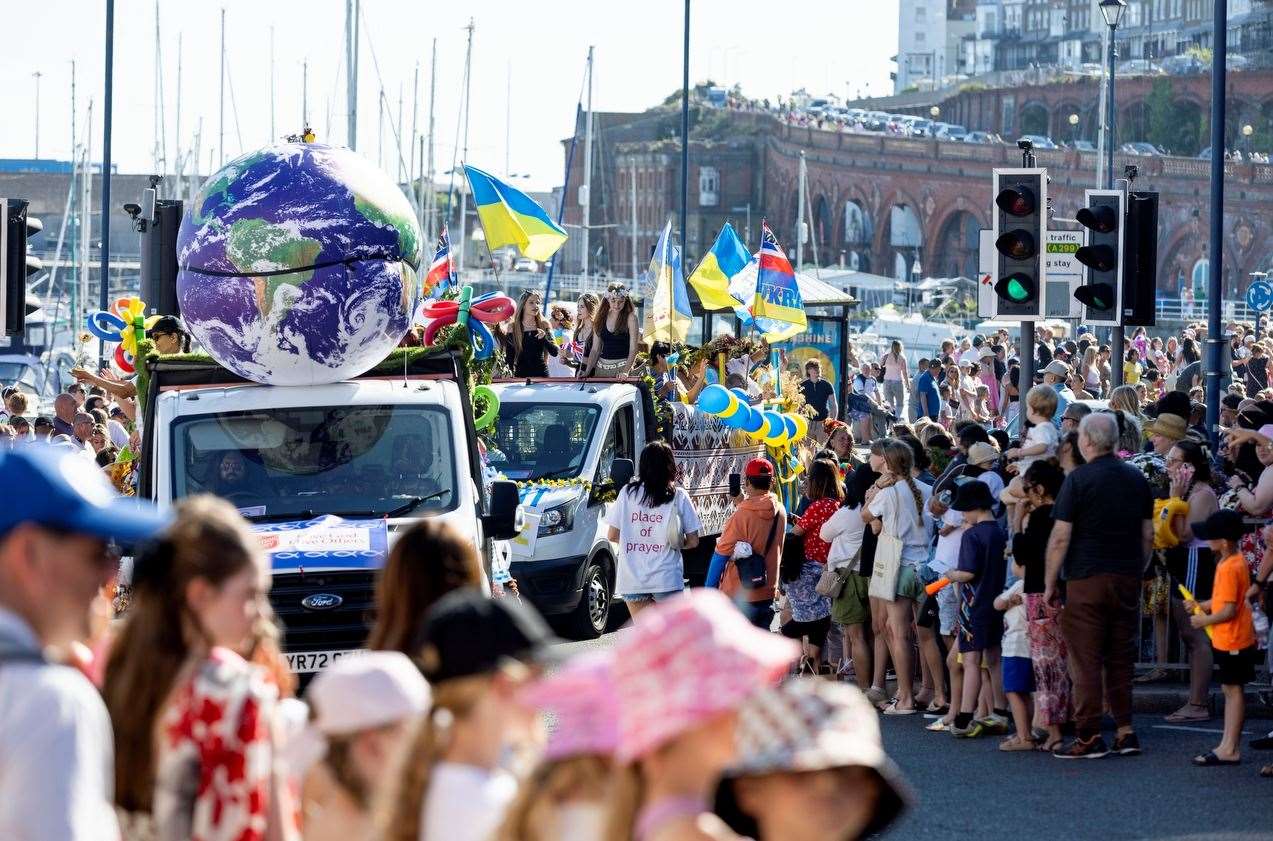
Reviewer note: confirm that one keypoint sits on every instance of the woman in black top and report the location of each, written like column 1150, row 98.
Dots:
column 531, row 338
column 616, row 334
column 1031, row 530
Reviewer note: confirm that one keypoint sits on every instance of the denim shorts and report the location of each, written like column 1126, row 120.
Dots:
column 948, row 609
column 650, row 597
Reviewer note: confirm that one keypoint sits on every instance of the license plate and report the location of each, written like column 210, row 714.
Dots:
column 303, row 662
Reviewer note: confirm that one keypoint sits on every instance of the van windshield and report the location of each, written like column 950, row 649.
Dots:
column 542, row 440
column 303, row 462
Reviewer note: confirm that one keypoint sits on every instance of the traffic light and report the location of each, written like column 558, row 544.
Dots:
column 1140, row 260
column 1101, row 256
column 15, row 264
column 1020, row 228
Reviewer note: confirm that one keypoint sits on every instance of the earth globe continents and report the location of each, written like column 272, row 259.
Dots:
column 298, row 265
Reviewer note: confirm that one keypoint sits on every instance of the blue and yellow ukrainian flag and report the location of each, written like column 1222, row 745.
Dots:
column 510, row 217
column 721, row 264
column 670, row 314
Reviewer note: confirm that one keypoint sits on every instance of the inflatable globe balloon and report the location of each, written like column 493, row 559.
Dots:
column 298, row 265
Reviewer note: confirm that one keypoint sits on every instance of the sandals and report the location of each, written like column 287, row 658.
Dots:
column 1210, row 760
column 892, row 709
column 940, row 726
column 1049, row 747
column 1015, row 743
column 1183, row 716
column 1155, row 675
column 937, row 709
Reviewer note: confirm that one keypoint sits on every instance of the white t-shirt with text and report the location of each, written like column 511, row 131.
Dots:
column 649, row 542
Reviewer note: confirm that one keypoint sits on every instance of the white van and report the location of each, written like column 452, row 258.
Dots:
column 384, row 449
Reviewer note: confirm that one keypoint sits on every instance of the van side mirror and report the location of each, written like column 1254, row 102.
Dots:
column 503, row 520
column 621, row 472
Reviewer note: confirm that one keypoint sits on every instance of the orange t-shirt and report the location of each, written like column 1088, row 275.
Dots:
column 1232, row 581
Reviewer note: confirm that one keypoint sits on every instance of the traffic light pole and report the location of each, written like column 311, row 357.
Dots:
column 1025, row 379
column 1215, row 251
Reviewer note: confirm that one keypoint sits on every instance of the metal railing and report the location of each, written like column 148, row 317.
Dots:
column 1179, row 311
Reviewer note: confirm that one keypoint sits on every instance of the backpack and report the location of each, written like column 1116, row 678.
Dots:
column 753, row 572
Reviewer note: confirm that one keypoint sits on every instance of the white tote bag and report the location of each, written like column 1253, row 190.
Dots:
column 888, row 559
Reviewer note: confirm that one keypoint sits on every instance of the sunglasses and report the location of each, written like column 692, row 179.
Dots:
column 617, row 288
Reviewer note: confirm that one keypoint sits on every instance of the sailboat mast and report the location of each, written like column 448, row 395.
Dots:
column 180, row 169
column 273, row 133
column 586, row 196
column 430, row 198
column 351, row 73
column 305, row 93
column 464, row 193
column 800, row 217
column 161, row 141
column 73, row 274
column 411, row 147
column 221, row 129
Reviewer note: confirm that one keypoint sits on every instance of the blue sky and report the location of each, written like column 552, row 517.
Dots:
column 842, row 46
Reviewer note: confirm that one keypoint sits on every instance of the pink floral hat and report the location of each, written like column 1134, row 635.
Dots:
column 687, row 660
column 579, row 700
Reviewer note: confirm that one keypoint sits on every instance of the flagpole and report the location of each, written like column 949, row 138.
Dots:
column 485, row 239
column 685, row 130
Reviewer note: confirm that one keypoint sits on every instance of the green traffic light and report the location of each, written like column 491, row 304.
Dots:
column 1016, row 288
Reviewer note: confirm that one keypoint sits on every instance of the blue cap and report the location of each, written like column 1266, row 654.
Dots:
column 53, row 487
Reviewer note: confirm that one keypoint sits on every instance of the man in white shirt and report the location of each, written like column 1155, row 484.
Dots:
column 56, row 754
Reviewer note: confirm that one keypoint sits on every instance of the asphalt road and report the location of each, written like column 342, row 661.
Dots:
column 970, row 790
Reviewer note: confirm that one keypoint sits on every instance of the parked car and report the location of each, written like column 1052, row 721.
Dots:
column 982, row 137
column 1205, row 154
column 525, row 264
column 1140, row 148
column 898, row 123
column 1140, row 67
column 950, row 131
column 1083, row 145
column 1183, row 65
column 920, row 127
column 1040, row 141
column 1236, row 62
column 876, row 120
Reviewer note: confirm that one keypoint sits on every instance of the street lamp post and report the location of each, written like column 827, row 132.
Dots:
column 916, row 273
column 1247, row 131
column 1074, row 127
column 1112, row 11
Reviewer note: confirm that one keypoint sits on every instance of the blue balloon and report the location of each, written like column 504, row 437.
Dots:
column 105, row 325
column 483, row 341
column 773, row 424
column 714, row 399
column 791, row 426
column 738, row 420
column 755, row 420
column 742, row 394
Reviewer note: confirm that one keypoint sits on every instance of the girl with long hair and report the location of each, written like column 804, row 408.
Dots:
column 429, row 560
column 851, row 609
column 896, row 379
column 810, row 610
column 895, row 506
column 682, row 673
column 186, row 705
column 1191, row 563
column 617, row 334
column 652, row 521
column 585, row 335
column 477, row 653
column 531, row 338
column 564, row 797
column 1091, row 371
column 1125, row 399
column 563, row 325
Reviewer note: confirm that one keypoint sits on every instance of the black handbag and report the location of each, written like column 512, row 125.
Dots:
column 753, row 572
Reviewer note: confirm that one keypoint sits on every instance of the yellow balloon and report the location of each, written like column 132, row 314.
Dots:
column 802, row 427
column 735, row 406
column 779, row 439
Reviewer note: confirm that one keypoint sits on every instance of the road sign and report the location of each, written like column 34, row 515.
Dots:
column 1259, row 296
column 1064, row 274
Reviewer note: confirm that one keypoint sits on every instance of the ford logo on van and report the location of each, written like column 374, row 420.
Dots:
column 322, row 601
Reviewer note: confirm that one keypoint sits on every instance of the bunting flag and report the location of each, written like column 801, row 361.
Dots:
column 510, row 217
column 727, row 257
column 442, row 271
column 777, row 305
column 670, row 314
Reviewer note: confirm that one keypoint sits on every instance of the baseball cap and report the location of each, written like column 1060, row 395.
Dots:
column 360, row 692
column 1225, row 524
column 43, row 422
column 59, row 488
column 758, row 468
column 467, row 633
column 973, row 496
column 810, row 725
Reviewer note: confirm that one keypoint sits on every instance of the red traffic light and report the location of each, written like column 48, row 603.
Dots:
column 1099, row 257
column 1018, row 244
column 1017, row 200
column 1101, row 219
column 1096, row 296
